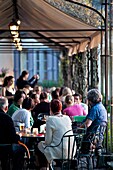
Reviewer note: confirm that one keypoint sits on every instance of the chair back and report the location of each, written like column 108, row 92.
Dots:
column 93, row 137
column 26, row 148
column 68, row 151
column 68, row 143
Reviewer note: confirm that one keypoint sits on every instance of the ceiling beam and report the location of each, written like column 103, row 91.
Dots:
column 51, row 37
column 60, row 30
column 57, row 43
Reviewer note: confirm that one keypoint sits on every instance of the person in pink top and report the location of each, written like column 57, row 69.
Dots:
column 73, row 109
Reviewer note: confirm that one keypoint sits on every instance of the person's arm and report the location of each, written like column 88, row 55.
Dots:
column 30, row 80
column 86, row 124
column 27, row 119
column 3, row 91
column 33, row 81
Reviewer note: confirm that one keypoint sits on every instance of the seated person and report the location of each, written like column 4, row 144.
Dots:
column 78, row 100
column 42, row 107
column 17, row 103
column 55, row 94
column 56, row 125
column 23, row 115
column 8, row 136
column 73, row 109
column 97, row 116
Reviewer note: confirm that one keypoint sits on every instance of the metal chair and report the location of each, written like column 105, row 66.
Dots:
column 98, row 142
column 5, row 155
column 86, row 157
column 27, row 157
column 67, row 160
column 91, row 139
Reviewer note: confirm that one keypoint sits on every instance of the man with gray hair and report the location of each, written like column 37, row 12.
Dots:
column 8, row 136
column 97, row 115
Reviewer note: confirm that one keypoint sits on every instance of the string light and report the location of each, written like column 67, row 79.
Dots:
column 14, row 29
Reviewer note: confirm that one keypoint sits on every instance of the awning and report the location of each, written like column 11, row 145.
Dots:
column 49, row 25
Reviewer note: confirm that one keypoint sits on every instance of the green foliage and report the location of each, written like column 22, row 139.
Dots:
column 50, row 83
column 3, row 72
column 109, row 126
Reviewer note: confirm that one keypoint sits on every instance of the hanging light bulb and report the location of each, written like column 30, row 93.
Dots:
column 18, row 22
column 19, row 48
column 14, row 27
column 16, row 39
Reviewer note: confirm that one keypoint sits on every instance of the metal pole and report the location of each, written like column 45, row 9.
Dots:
column 106, row 64
column 111, row 77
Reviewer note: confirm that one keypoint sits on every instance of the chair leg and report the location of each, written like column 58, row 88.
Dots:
column 89, row 163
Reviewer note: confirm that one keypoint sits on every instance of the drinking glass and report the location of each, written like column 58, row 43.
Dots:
column 35, row 131
column 22, row 126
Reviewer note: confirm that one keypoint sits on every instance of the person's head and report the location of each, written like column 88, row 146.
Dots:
column 69, row 100
column 25, row 74
column 37, row 89
column 19, row 97
column 55, row 94
column 4, row 104
column 66, row 91
column 43, row 96
column 8, row 81
column 94, row 96
column 36, row 98
column 55, row 106
column 28, row 103
column 61, row 89
column 77, row 98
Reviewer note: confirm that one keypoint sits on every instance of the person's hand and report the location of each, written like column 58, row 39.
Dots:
column 36, row 76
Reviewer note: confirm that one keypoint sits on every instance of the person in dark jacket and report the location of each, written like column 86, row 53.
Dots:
column 8, row 136
column 42, row 108
column 22, row 81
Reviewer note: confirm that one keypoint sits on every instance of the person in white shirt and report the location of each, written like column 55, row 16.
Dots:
column 56, row 125
column 23, row 115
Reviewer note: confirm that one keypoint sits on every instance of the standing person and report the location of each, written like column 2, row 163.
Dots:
column 8, row 90
column 8, row 136
column 56, row 125
column 22, row 81
column 97, row 115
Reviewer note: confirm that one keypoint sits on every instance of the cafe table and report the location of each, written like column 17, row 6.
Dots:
column 31, row 141
column 30, row 137
column 38, row 137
